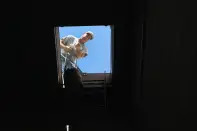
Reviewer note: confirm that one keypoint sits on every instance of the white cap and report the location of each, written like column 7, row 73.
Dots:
column 91, row 33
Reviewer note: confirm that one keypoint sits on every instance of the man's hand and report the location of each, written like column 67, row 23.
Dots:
column 85, row 54
column 66, row 48
column 79, row 53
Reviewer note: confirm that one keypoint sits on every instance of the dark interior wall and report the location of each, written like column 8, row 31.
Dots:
column 169, row 77
column 163, row 98
column 125, row 92
column 127, row 36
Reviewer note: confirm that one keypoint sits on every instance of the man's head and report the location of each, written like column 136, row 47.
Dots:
column 86, row 36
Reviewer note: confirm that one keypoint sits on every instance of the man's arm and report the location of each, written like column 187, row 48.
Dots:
column 79, row 53
column 66, row 48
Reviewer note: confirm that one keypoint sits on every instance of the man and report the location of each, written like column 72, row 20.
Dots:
column 72, row 49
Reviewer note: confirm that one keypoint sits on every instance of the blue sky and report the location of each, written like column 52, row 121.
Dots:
column 98, row 59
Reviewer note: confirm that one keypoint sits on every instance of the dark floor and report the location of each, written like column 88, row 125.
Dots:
column 92, row 115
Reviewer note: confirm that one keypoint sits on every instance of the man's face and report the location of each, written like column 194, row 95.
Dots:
column 85, row 37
